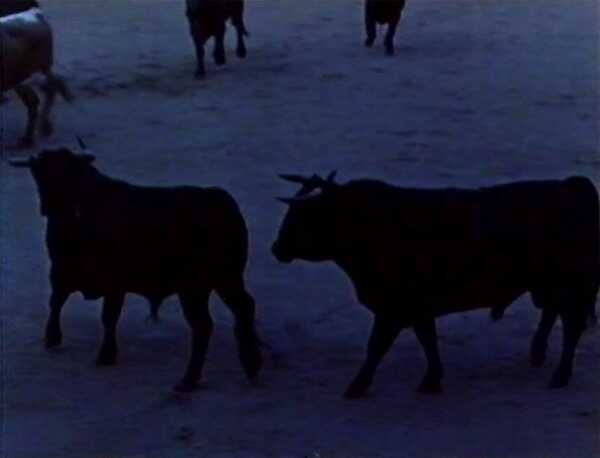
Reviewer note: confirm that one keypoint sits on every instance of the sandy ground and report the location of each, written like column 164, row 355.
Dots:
column 480, row 92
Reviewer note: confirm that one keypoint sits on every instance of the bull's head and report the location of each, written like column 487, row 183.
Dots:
column 57, row 173
column 307, row 230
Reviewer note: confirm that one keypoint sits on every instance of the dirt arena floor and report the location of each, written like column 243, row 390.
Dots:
column 480, row 92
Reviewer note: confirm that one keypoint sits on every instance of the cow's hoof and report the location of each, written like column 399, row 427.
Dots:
column 241, row 52
column 428, row 386
column 52, row 340
column 559, row 380
column 369, row 42
column 186, row 386
column 219, row 59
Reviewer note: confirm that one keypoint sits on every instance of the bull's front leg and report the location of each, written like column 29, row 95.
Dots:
column 370, row 23
column 384, row 332
column 197, row 314
column 111, row 311
column 427, row 336
column 199, row 40
column 53, row 336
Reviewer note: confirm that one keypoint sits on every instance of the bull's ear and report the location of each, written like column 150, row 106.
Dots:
column 331, row 177
column 21, row 163
column 87, row 158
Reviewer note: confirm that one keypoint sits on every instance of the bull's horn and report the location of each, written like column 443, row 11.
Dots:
column 294, row 178
column 20, row 162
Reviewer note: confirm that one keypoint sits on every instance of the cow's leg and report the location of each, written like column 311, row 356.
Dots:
column 370, row 24
column 197, row 314
column 427, row 336
column 53, row 336
column 389, row 36
column 539, row 342
column 199, row 39
column 574, row 320
column 385, row 330
column 31, row 101
column 241, row 304
column 219, row 50
column 111, row 311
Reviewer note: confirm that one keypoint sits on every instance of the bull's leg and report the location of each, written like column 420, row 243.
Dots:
column 53, row 330
column 241, row 304
column 31, row 101
column 539, row 342
column 241, row 32
column 427, row 336
column 219, row 50
column 573, row 325
column 389, row 37
column 199, row 40
column 385, row 330
column 49, row 90
column 111, row 311
column 195, row 310
column 370, row 24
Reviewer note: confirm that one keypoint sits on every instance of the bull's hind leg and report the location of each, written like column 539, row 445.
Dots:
column 427, row 336
column 237, row 18
column 195, row 310
column 539, row 343
column 574, row 321
column 385, row 330
column 241, row 304
column 31, row 101
column 111, row 311
column 389, row 36
column 370, row 24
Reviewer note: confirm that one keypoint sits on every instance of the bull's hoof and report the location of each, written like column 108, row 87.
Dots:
column 52, row 340
column 46, row 129
column 428, row 386
column 241, row 52
column 389, row 50
column 106, row 358
column 559, row 380
column 219, row 58
column 355, row 391
column 186, row 386
column 369, row 42
column 252, row 363
column 25, row 142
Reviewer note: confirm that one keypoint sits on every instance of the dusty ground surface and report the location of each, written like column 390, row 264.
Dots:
column 480, row 92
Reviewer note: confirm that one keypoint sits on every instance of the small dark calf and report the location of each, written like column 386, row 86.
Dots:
column 383, row 12
column 107, row 238
column 208, row 18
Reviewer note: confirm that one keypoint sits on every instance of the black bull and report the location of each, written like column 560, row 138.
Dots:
column 107, row 237
column 414, row 255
